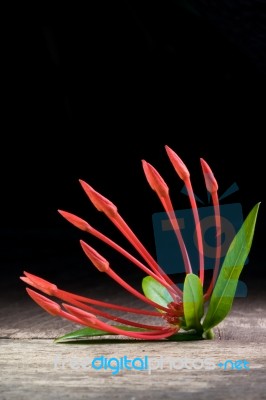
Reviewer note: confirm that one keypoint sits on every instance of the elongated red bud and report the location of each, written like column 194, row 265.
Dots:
column 77, row 312
column 99, row 201
column 76, row 221
column 99, row 261
column 155, row 180
column 178, row 164
column 210, row 181
column 39, row 283
column 48, row 305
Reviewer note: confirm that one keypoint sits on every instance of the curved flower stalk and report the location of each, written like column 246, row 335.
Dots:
column 173, row 309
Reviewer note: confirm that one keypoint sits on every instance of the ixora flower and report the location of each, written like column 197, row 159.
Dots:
column 188, row 313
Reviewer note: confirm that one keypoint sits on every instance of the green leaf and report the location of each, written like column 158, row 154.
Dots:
column 225, row 288
column 156, row 292
column 193, row 302
column 86, row 332
column 184, row 336
column 73, row 337
column 81, row 333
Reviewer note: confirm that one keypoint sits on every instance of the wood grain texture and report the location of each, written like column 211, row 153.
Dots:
column 34, row 367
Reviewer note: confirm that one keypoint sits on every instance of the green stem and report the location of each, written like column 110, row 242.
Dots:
column 208, row 334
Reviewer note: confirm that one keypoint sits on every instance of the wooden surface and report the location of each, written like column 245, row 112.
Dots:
column 31, row 364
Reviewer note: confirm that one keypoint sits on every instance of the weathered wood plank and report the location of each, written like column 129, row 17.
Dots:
column 33, row 369
column 31, row 364
column 21, row 318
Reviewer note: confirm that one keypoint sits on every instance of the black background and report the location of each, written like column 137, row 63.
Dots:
column 91, row 91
